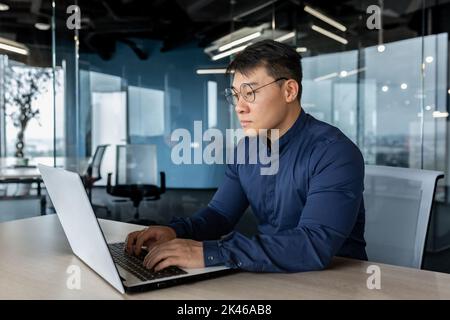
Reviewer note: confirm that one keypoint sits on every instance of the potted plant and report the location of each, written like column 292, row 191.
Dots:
column 23, row 85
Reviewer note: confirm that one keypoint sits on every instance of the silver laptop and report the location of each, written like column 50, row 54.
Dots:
column 124, row 272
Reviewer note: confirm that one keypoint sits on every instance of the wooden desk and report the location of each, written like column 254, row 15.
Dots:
column 35, row 256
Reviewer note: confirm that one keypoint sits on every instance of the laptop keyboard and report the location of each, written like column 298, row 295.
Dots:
column 134, row 265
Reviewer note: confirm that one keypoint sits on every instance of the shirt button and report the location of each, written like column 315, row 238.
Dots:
column 211, row 258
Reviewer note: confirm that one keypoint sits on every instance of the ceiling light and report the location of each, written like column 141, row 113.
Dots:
column 429, row 59
column 448, row 91
column 42, row 26
column 384, row 88
column 12, row 46
column 341, row 74
column 324, row 18
column 235, row 39
column 239, row 41
column 329, row 34
column 439, row 114
column 352, row 72
column 211, row 71
column 381, row 48
column 285, row 37
column 229, row 52
column 327, row 76
column 4, row 7
column 301, row 49
column 404, row 86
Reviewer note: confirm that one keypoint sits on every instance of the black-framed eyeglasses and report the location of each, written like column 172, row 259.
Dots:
column 246, row 91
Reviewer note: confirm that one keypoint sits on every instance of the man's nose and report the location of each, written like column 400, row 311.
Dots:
column 241, row 106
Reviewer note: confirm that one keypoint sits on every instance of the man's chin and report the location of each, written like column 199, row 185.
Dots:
column 250, row 132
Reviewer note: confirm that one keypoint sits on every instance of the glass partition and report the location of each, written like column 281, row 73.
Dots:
column 119, row 74
column 385, row 88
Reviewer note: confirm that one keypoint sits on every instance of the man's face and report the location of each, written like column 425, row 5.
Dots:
column 269, row 108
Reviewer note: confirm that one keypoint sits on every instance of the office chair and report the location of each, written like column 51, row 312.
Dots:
column 136, row 177
column 93, row 173
column 398, row 203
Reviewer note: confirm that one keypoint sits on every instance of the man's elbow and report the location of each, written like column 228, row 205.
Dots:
column 310, row 264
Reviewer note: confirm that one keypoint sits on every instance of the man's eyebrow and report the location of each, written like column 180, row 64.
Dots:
column 250, row 83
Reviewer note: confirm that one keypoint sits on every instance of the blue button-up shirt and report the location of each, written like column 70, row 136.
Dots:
column 309, row 211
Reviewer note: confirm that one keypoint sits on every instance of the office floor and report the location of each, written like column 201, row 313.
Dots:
column 187, row 201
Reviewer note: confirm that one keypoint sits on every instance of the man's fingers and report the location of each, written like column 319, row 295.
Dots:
column 156, row 251
column 153, row 260
column 172, row 261
column 163, row 245
column 170, row 244
column 156, row 262
column 154, row 243
column 131, row 238
column 177, row 252
column 142, row 237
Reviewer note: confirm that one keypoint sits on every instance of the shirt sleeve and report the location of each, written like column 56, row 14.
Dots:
column 336, row 186
column 220, row 216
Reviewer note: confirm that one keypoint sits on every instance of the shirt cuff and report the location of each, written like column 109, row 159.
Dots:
column 211, row 253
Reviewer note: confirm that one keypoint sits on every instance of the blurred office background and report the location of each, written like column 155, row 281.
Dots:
column 133, row 71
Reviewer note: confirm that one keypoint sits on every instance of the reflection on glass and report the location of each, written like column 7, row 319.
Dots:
column 212, row 104
column 376, row 99
column 146, row 112
column 21, row 83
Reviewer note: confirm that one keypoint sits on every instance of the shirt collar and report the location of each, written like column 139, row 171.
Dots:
column 290, row 133
column 293, row 130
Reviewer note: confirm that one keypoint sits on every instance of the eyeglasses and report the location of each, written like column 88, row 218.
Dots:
column 247, row 92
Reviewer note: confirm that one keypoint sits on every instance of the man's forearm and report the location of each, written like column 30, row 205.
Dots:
column 303, row 249
column 206, row 224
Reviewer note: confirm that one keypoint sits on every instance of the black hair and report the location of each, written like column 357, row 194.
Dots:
column 279, row 60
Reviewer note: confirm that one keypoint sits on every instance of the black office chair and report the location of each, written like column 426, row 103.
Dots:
column 136, row 175
column 93, row 174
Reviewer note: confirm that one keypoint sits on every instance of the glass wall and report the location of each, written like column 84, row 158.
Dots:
column 384, row 86
column 146, row 100
column 27, row 102
column 117, row 74
column 377, row 100
column 38, row 133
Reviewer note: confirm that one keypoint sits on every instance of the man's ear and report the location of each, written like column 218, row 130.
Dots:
column 291, row 90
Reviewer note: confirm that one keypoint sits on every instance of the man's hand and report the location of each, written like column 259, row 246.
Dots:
column 183, row 253
column 148, row 237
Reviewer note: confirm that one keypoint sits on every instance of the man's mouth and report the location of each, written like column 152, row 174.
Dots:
column 245, row 123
